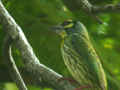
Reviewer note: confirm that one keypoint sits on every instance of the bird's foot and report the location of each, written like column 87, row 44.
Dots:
column 82, row 87
column 71, row 80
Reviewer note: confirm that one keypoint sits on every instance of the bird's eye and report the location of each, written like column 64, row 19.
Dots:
column 68, row 24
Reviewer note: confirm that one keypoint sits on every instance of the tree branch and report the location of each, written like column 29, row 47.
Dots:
column 110, row 8
column 27, row 77
column 10, row 63
column 31, row 62
column 87, row 6
column 92, row 10
column 74, row 5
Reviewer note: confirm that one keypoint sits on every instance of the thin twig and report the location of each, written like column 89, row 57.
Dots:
column 10, row 63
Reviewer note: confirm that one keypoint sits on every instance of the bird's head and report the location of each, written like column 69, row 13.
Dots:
column 69, row 27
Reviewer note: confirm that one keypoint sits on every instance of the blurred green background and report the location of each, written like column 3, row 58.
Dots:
column 36, row 17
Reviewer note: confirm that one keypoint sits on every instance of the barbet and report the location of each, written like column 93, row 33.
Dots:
column 80, row 56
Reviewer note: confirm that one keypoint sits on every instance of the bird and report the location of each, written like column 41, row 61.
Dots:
column 80, row 56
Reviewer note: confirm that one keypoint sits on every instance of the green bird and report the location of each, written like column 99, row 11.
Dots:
column 80, row 57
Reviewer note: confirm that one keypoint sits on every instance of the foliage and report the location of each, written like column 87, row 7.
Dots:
column 37, row 17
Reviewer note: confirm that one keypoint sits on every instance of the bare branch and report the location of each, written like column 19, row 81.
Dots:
column 10, row 63
column 31, row 62
column 85, row 5
column 106, row 9
column 92, row 10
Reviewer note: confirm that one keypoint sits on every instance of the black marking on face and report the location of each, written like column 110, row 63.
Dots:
column 65, row 23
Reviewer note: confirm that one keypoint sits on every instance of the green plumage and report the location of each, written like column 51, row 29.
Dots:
column 81, row 59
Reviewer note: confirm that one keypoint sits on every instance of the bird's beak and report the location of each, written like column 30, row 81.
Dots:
column 58, row 29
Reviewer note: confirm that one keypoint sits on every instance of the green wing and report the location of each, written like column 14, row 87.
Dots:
column 82, row 45
column 78, row 67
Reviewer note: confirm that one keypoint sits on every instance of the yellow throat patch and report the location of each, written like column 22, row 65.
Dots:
column 69, row 25
column 63, row 34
